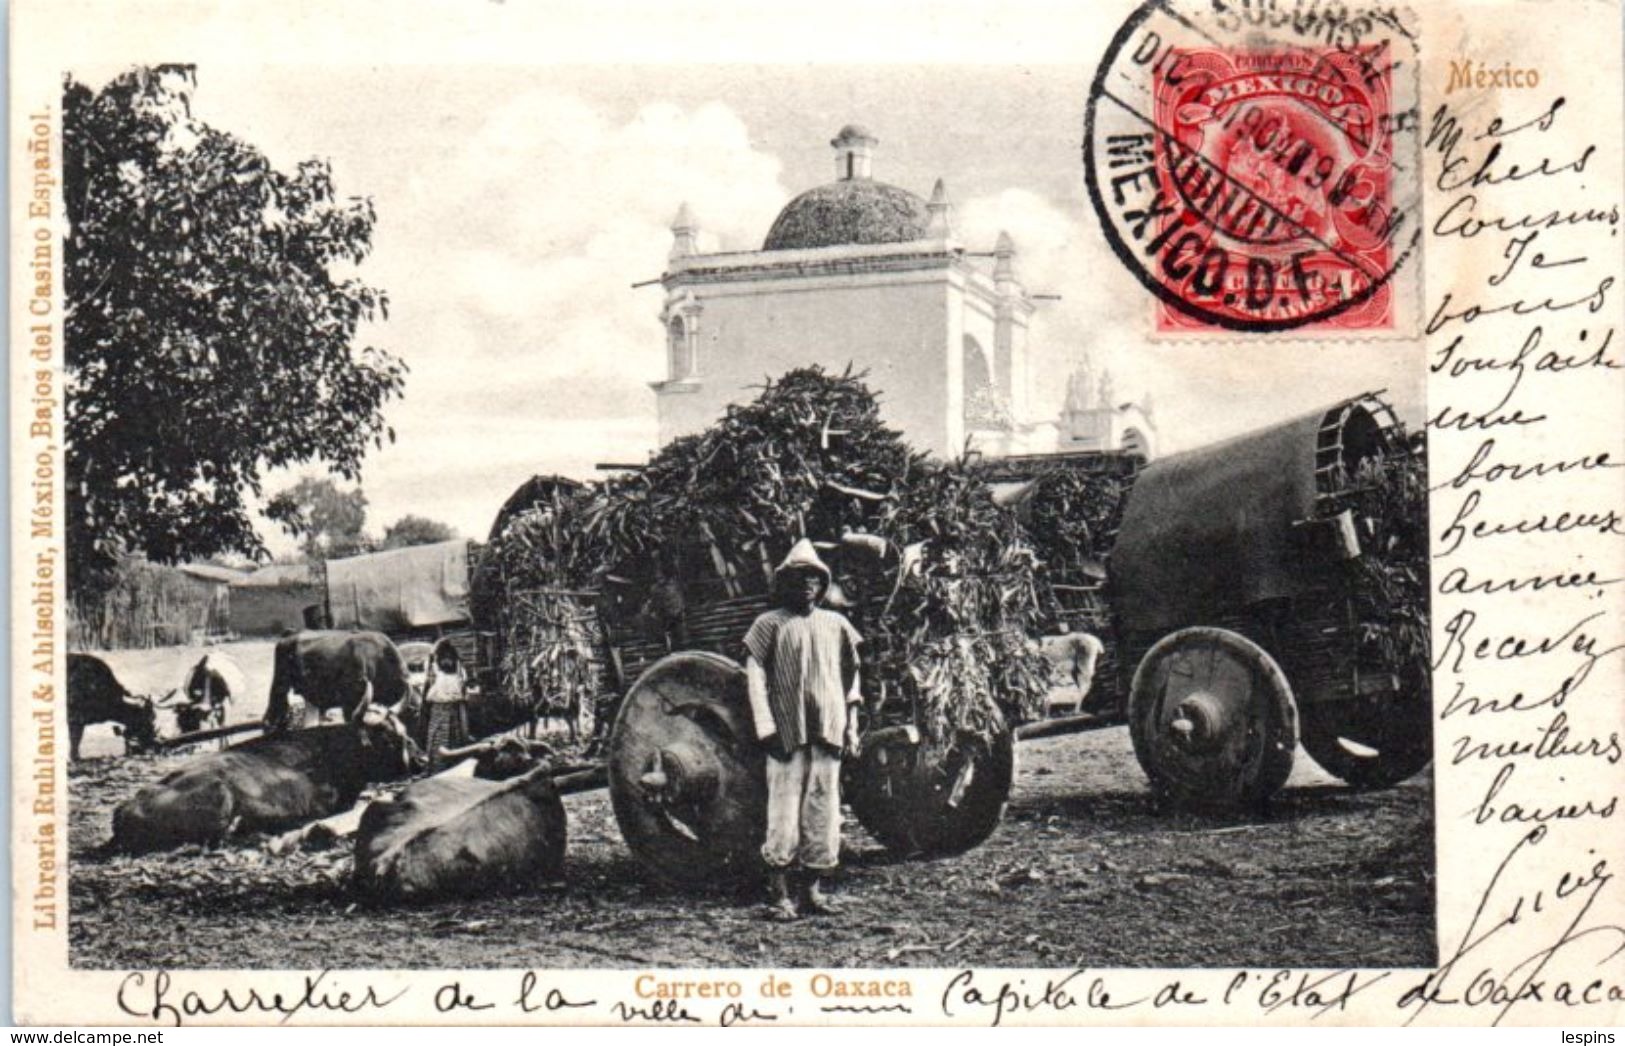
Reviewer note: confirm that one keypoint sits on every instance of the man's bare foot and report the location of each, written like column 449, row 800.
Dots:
column 817, row 901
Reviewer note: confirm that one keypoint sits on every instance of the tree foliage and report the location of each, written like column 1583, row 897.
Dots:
column 330, row 522
column 211, row 323
column 416, row 530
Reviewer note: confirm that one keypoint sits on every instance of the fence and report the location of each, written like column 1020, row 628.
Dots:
column 147, row 606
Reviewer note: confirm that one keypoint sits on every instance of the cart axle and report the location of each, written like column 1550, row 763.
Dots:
column 1061, row 726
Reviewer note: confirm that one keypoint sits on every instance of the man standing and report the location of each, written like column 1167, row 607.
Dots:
column 802, row 667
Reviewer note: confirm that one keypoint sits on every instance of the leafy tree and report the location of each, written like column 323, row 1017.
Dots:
column 330, row 521
column 210, row 325
column 416, row 530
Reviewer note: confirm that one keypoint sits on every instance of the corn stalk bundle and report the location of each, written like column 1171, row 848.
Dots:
column 531, row 546
column 532, row 589
column 765, row 474
column 810, row 457
column 1388, row 497
column 1074, row 516
column 954, row 640
column 550, row 654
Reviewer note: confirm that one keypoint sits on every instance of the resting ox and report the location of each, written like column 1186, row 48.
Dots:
column 210, row 686
column 344, row 670
column 96, row 696
column 268, row 784
column 451, row 836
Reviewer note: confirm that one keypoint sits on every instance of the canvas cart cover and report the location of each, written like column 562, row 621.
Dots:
column 1214, row 529
column 404, row 588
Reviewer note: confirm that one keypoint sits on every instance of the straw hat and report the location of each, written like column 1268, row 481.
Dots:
column 802, row 556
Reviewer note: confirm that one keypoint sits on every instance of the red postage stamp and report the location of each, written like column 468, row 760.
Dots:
column 1282, row 160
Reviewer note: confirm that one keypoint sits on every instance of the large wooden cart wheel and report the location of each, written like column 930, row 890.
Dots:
column 922, row 797
column 1370, row 744
column 1212, row 718
column 686, row 777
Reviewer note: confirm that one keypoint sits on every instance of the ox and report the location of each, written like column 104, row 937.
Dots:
column 96, row 696
column 345, row 670
column 209, row 688
column 449, row 836
column 268, row 784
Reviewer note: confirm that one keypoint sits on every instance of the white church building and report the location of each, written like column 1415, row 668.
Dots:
column 863, row 273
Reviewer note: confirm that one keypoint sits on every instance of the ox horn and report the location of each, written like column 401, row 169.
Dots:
column 477, row 749
column 166, row 700
column 366, row 704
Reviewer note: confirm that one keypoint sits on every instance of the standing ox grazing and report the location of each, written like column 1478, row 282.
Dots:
column 349, row 671
column 96, row 696
column 268, row 784
column 209, row 688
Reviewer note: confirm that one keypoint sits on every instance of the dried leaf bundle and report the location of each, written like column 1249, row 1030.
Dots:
column 712, row 513
column 1073, row 518
column 1389, row 580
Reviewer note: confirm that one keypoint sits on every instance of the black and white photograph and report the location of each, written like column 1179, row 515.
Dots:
column 837, row 593
column 863, row 519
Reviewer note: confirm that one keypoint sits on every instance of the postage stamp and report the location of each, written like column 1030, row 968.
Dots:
column 1283, row 153
column 1260, row 173
column 702, row 514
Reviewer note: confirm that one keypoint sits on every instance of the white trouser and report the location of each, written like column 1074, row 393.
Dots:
column 804, row 809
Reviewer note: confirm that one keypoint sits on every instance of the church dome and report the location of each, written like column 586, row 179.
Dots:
column 851, row 211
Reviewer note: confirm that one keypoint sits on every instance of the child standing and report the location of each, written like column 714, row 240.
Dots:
column 445, row 698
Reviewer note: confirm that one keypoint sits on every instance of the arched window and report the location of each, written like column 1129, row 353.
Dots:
column 1134, row 442
column 977, row 375
column 680, row 362
column 984, row 407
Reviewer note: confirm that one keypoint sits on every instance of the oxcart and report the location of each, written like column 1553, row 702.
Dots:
column 1236, row 600
column 1248, row 587
column 1237, row 595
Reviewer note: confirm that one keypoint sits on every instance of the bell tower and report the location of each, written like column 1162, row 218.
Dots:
column 856, row 273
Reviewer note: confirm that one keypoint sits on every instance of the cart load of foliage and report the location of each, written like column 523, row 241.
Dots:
column 940, row 580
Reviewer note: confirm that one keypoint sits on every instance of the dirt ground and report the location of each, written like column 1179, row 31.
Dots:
column 1085, row 870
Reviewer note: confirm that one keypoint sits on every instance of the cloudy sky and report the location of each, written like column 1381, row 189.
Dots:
column 516, row 208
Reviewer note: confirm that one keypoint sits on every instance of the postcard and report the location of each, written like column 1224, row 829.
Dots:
column 718, row 514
